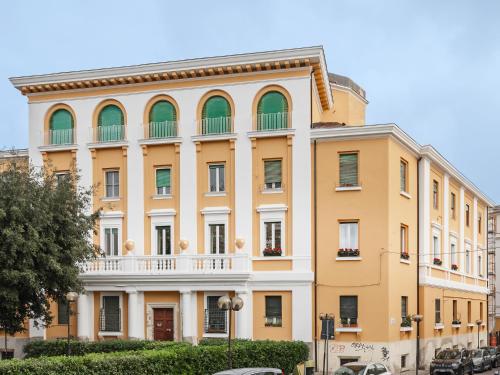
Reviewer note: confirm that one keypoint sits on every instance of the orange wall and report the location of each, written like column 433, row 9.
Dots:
column 260, row 331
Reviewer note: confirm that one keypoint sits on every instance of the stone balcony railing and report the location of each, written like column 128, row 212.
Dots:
column 167, row 264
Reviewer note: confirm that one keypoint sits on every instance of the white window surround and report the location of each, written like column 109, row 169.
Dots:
column 110, row 219
column 436, row 253
column 272, row 213
column 218, row 167
column 101, row 304
column 169, row 194
column 454, row 257
column 216, row 215
column 161, row 218
column 205, row 298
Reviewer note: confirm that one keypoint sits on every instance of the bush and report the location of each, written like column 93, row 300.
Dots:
column 211, row 341
column 174, row 360
column 51, row 348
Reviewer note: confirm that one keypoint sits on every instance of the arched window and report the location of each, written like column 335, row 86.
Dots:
column 216, row 116
column 162, row 120
column 110, row 124
column 61, row 127
column 272, row 111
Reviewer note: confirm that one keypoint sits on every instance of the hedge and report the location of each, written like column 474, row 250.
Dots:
column 49, row 348
column 175, row 360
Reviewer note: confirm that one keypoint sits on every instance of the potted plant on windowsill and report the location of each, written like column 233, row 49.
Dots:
column 348, row 322
column 454, row 267
column 272, row 252
column 406, row 321
column 437, row 261
column 405, row 255
column 348, row 253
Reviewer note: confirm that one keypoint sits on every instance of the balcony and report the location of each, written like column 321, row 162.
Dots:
column 175, row 265
column 110, row 133
column 218, row 125
column 160, row 130
column 272, row 121
column 59, row 137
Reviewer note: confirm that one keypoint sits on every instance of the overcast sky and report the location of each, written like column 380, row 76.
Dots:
column 432, row 67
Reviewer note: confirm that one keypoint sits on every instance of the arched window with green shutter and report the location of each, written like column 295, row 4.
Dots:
column 61, row 127
column 110, row 124
column 162, row 120
column 272, row 111
column 216, row 116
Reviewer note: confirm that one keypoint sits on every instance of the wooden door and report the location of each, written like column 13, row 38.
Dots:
column 163, row 324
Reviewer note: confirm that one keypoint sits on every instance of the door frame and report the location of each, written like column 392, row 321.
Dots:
column 150, row 318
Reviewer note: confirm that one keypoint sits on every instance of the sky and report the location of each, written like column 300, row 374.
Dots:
column 432, row 67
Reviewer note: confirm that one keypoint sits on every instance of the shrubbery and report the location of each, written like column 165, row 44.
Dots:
column 174, row 360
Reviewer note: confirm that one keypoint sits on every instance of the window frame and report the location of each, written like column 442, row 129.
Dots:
column 404, row 307
column 435, row 194
column 120, row 306
column 111, row 229
column 279, row 320
column 165, row 241
column 217, row 249
column 467, row 215
column 217, row 167
column 275, row 185
column 348, row 223
column 357, row 183
column 274, row 224
column 356, row 307
column 455, row 310
column 113, row 186
column 403, row 240
column 63, row 303
column 403, row 176
column 169, row 187
column 437, row 311
column 453, row 205
column 205, row 308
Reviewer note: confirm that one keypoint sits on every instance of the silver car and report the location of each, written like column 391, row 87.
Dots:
column 251, row 371
column 362, row 368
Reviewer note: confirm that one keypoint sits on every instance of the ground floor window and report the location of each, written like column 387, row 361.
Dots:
column 403, row 361
column 349, row 310
column 215, row 318
column 273, row 311
column 62, row 312
column 344, row 360
column 110, row 314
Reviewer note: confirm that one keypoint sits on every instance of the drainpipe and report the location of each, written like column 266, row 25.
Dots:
column 417, row 359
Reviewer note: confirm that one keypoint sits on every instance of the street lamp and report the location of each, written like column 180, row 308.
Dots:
column 226, row 303
column 70, row 297
column 478, row 323
column 417, row 318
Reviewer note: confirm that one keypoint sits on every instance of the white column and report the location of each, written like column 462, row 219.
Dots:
column 302, row 313
column 474, row 237
column 424, row 168
column 461, row 228
column 446, row 221
column 135, row 314
column 244, row 317
column 85, row 320
column 186, row 313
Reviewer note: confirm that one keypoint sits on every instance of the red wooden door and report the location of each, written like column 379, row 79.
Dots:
column 164, row 324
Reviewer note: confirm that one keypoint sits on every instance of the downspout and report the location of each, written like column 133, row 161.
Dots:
column 417, row 359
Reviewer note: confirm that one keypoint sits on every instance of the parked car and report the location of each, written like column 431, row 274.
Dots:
column 362, row 368
column 252, row 371
column 481, row 359
column 494, row 355
column 452, row 361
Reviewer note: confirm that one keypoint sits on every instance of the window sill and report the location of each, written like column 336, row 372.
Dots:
column 456, row 325
column 348, row 329
column 271, row 133
column 275, row 257
column 62, row 147
column 160, row 141
column 272, row 191
column 405, row 329
column 405, row 194
column 404, row 261
column 161, row 196
column 348, row 188
column 340, row 259
column 216, row 194
column 110, row 199
column 470, row 325
column 214, row 334
column 109, row 144
column 438, row 326
column 105, row 333
column 213, row 137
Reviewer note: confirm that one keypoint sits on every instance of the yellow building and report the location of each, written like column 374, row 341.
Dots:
column 255, row 175
column 17, row 157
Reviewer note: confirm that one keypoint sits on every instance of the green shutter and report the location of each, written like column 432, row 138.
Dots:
column 162, row 111
column 272, row 112
column 272, row 171
column 348, row 169
column 61, row 127
column 162, row 178
column 216, row 106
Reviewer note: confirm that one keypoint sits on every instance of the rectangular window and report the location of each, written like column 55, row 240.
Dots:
column 217, row 177
column 453, row 254
column 163, row 181
column 348, row 236
column 110, row 314
column 481, row 311
column 62, row 312
column 272, row 174
column 435, row 247
column 404, row 307
column 453, row 205
column 217, row 239
column 479, row 223
column 112, row 184
column 403, row 234
column 111, row 242
column 163, row 240
column 435, row 194
column 273, row 235
column 403, row 179
column 479, row 265
column 455, row 310
column 403, row 361
column 215, row 318
column 469, row 312
column 61, row 177
column 273, row 311
column 349, row 310
column 348, row 169
column 467, row 215
column 437, row 310
column 467, row 260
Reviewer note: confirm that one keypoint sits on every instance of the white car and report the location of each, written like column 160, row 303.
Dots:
column 251, row 371
column 362, row 368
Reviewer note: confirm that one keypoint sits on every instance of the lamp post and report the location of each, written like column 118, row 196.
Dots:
column 70, row 297
column 478, row 323
column 327, row 323
column 417, row 319
column 229, row 304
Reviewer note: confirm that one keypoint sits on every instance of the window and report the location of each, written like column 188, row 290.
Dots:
column 435, row 247
column 110, row 124
column 404, row 307
column 163, row 240
column 403, row 361
column 217, row 178
column 272, row 174
column 273, row 311
column 272, row 111
column 61, row 177
column 110, row 317
column 62, row 312
column 348, row 310
column 435, row 193
column 467, row 215
column 403, row 234
column 481, row 311
column 162, row 120
column 479, row 265
column 469, row 312
column 348, row 169
column 216, row 116
column 215, row 318
column 403, row 179
column 61, row 127
column 112, row 184
column 437, row 310
column 479, row 223
column 348, row 235
column 453, row 205
column 163, row 181
column 455, row 310
column 217, row 239
column 453, row 254
column 273, row 235
column 467, row 259
column 111, row 241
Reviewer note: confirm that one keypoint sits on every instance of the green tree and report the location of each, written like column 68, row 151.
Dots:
column 46, row 229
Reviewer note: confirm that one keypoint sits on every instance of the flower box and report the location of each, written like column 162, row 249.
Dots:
column 405, row 256
column 454, row 267
column 348, row 253
column 437, row 261
column 272, row 252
